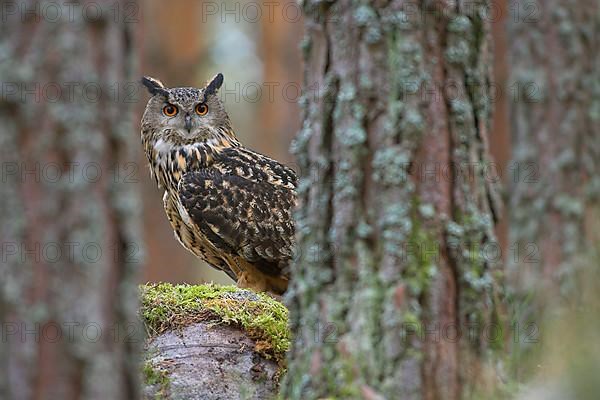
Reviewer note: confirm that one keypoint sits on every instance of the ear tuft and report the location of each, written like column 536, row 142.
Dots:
column 214, row 85
column 154, row 86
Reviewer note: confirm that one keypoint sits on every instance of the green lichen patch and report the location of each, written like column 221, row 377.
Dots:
column 156, row 377
column 172, row 307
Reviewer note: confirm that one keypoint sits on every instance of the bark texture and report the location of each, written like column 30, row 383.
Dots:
column 555, row 115
column 206, row 361
column 69, row 210
column 396, row 208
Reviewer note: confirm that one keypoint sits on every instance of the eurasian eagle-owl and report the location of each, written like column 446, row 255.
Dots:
column 230, row 206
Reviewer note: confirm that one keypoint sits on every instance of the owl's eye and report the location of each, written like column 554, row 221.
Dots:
column 170, row 110
column 201, row 109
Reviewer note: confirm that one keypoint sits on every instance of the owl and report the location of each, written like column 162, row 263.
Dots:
column 230, row 206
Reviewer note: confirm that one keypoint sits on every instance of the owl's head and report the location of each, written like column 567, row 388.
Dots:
column 185, row 115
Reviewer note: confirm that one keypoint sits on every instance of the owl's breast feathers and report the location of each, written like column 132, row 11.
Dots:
column 239, row 204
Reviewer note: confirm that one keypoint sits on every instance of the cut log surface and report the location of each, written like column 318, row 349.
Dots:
column 209, row 361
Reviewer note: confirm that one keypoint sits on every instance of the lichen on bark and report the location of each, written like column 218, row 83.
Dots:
column 404, row 97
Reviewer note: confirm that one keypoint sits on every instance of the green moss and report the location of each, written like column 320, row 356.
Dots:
column 422, row 253
column 421, row 267
column 171, row 307
column 154, row 376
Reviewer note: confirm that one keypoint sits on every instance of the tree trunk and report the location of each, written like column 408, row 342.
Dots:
column 69, row 210
column 555, row 114
column 394, row 290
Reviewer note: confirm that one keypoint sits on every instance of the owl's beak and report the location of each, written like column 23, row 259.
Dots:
column 188, row 122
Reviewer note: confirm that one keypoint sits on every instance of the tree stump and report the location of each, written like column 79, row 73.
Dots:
column 212, row 342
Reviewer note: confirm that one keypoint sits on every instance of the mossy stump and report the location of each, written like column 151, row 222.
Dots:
column 212, row 342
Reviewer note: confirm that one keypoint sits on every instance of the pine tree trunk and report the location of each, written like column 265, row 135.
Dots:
column 555, row 115
column 396, row 250
column 69, row 210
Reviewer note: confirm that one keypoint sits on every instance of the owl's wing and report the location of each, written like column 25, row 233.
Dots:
column 245, row 218
column 255, row 167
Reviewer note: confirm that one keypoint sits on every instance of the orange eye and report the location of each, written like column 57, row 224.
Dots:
column 170, row 110
column 201, row 109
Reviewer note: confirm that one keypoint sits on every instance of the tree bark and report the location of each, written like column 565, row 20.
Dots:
column 209, row 361
column 69, row 210
column 554, row 112
column 394, row 290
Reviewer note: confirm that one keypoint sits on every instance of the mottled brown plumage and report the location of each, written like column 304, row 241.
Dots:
column 229, row 205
